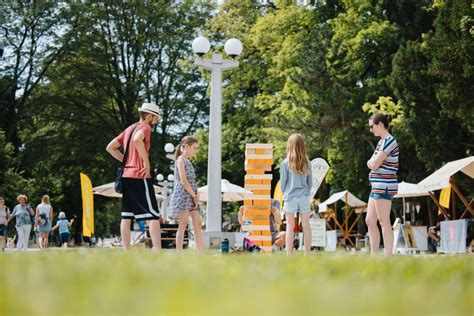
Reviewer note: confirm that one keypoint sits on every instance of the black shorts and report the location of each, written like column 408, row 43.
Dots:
column 3, row 230
column 139, row 200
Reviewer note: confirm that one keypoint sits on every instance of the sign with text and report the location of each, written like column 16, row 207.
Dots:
column 318, row 232
column 319, row 169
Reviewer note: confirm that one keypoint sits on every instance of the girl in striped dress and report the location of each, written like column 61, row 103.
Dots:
column 384, row 183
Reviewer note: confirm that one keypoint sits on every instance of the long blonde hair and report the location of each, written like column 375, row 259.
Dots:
column 297, row 154
column 45, row 199
column 187, row 140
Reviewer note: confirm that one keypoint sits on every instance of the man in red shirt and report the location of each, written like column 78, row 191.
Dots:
column 138, row 197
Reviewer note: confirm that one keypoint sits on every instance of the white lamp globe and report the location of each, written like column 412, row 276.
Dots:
column 171, row 177
column 160, row 177
column 169, row 148
column 201, row 45
column 233, row 47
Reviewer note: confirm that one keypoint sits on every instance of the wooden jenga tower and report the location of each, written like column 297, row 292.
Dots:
column 258, row 159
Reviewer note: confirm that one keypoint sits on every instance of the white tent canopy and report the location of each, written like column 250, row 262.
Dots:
column 406, row 189
column 109, row 190
column 344, row 196
column 440, row 178
column 230, row 192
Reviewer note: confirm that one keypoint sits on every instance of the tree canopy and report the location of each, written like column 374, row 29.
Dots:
column 73, row 75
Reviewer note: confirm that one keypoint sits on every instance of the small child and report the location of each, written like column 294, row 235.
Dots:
column 64, row 226
column 296, row 182
column 184, row 201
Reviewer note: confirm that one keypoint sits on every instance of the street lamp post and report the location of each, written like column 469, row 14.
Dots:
column 216, row 65
column 168, row 186
column 169, row 183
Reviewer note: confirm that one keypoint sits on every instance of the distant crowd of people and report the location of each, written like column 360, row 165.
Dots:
column 39, row 219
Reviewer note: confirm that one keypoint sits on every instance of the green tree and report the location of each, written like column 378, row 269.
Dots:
column 451, row 50
column 37, row 34
column 417, row 80
column 120, row 56
column 11, row 179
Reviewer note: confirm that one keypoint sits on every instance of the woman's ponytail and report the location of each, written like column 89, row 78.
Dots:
column 178, row 151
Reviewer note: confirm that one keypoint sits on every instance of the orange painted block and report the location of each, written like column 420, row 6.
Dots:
column 265, row 208
column 266, row 233
column 260, row 151
column 266, row 181
column 262, row 202
column 265, row 192
column 266, row 243
column 261, row 222
column 254, row 218
column 253, row 181
column 248, row 202
column 255, row 233
column 258, row 167
column 255, row 171
column 257, row 212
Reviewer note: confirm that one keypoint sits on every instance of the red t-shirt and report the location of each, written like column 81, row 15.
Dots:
column 134, row 163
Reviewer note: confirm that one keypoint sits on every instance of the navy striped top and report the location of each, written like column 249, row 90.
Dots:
column 384, row 179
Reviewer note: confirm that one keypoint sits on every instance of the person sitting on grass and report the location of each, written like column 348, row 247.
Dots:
column 275, row 221
column 63, row 224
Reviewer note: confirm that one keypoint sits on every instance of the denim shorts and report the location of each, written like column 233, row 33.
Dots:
column 299, row 204
column 380, row 196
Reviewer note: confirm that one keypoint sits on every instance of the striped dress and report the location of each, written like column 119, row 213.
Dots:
column 384, row 179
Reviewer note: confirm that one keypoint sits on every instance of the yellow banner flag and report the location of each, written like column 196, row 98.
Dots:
column 87, row 206
column 445, row 197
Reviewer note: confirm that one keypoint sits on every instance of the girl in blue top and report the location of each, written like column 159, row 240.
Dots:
column 63, row 224
column 296, row 181
column 383, row 179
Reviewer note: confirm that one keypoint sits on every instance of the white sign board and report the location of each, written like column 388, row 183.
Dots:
column 318, row 232
column 331, row 241
column 319, row 169
column 453, row 236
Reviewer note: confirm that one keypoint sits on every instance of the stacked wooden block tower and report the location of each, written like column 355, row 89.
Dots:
column 257, row 206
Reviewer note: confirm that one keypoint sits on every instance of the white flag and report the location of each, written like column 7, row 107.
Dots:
column 319, row 169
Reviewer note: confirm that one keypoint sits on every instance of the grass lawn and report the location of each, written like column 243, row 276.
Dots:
column 112, row 282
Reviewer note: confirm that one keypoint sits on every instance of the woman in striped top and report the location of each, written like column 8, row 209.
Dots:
column 384, row 183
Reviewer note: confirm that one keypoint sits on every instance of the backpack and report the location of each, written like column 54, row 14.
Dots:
column 42, row 220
